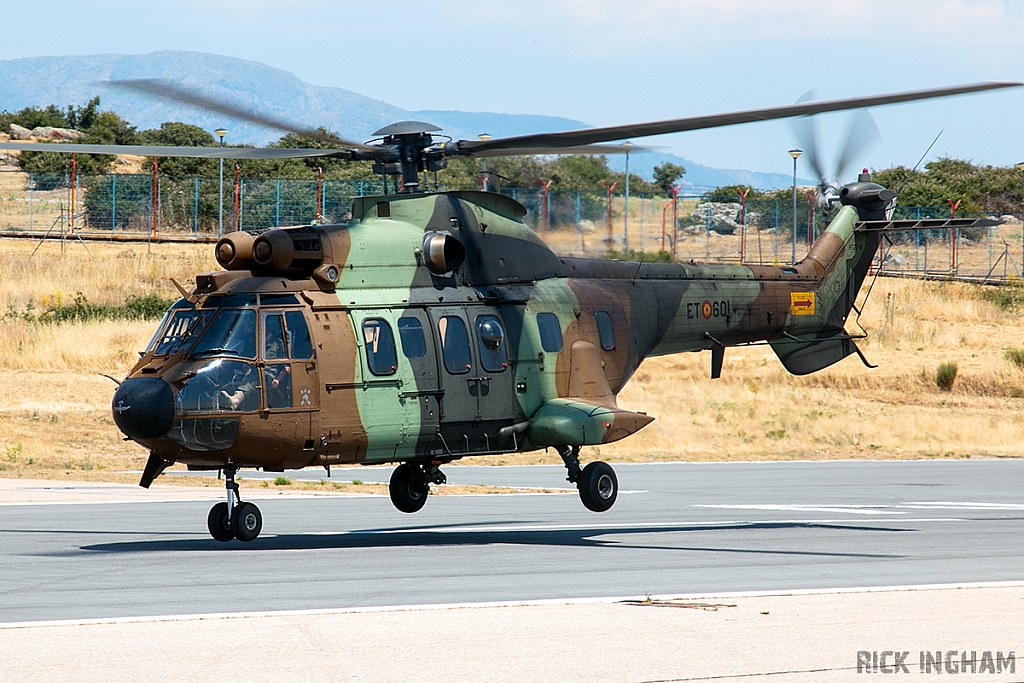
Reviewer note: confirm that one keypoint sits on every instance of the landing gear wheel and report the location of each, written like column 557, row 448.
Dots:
column 219, row 523
column 247, row 522
column 408, row 491
column 599, row 487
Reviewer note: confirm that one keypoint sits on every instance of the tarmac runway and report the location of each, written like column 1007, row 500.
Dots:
column 107, row 551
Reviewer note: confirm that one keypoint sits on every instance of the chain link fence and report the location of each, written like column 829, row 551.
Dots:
column 581, row 223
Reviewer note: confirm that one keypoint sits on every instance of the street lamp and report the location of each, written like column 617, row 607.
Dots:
column 485, row 137
column 220, row 132
column 627, row 145
column 795, row 153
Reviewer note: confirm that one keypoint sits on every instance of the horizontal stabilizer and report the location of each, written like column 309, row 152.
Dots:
column 804, row 354
column 925, row 224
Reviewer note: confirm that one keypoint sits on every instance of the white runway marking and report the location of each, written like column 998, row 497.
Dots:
column 893, row 509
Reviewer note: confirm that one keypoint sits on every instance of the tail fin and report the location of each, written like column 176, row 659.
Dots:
column 806, row 352
column 843, row 257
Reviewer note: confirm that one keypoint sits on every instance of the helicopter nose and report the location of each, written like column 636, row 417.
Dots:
column 143, row 407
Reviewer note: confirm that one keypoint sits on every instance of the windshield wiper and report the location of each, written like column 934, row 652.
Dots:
column 218, row 349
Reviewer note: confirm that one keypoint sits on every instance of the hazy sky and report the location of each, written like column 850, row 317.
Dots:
column 606, row 62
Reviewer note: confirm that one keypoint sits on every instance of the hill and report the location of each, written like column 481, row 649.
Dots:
column 63, row 80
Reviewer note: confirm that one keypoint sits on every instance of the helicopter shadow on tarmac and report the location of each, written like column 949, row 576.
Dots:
column 460, row 535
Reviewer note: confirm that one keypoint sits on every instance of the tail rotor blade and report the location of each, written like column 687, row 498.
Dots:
column 805, row 129
column 863, row 133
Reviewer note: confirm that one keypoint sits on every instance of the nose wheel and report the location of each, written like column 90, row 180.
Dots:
column 234, row 519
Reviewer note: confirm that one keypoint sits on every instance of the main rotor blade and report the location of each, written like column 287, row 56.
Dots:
column 543, row 151
column 636, row 130
column 197, row 152
column 170, row 91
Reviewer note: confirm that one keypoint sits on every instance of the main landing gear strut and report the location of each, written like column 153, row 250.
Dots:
column 410, row 484
column 597, row 483
column 234, row 519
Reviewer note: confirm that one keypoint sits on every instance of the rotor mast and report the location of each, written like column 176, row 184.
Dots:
column 409, row 144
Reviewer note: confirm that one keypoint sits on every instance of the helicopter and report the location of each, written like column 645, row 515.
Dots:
column 437, row 326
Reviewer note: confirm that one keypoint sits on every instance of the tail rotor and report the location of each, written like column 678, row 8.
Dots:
column 860, row 135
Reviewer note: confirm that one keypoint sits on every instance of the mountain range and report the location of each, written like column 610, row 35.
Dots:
column 40, row 81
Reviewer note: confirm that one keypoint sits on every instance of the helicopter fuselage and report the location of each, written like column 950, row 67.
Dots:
column 434, row 327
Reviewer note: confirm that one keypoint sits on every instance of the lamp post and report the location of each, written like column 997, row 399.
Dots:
column 220, row 132
column 627, row 146
column 483, row 179
column 795, row 153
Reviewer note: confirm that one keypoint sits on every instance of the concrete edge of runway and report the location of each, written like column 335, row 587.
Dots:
column 719, row 595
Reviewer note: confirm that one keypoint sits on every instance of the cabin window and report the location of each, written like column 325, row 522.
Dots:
column 550, row 332
column 410, row 331
column 232, row 333
column 299, row 343
column 380, row 347
column 605, row 330
column 454, row 344
column 491, row 338
column 277, row 378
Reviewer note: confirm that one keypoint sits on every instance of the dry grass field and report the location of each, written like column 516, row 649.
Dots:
column 55, row 416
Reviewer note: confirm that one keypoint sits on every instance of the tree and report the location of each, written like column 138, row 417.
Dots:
column 177, row 134
column 666, row 174
column 731, row 193
column 99, row 128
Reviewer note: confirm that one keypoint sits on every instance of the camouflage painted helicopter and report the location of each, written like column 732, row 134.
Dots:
column 435, row 326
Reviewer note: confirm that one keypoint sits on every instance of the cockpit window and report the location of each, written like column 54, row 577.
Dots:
column 232, row 333
column 182, row 328
column 277, row 299
column 273, row 337
column 298, row 335
column 221, row 386
column 230, row 301
column 158, row 333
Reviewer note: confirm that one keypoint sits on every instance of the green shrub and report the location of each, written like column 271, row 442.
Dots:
column 282, row 481
column 1015, row 356
column 945, row 376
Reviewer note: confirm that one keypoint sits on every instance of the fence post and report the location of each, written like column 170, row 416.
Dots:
column 238, row 179
column 579, row 232
column 195, row 205
column 643, row 199
column 113, row 202
column 71, row 189
column 277, row 204
column 318, row 217
column 707, row 233
column 776, row 230
column 31, row 186
column 610, row 189
column 547, row 189
column 743, row 224
column 155, row 193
